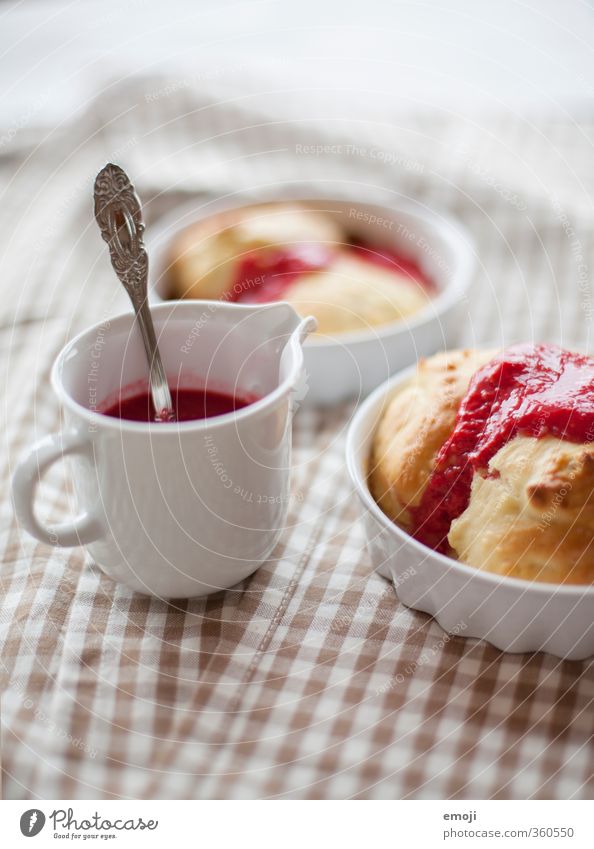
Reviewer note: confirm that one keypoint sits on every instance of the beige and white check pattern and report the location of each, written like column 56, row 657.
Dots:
column 309, row 679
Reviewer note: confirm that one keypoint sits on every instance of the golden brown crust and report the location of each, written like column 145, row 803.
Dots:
column 531, row 517
column 417, row 421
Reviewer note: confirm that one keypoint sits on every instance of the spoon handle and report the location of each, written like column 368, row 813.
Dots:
column 159, row 387
column 119, row 216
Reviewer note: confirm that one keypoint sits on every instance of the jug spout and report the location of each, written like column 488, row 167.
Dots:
column 280, row 332
column 291, row 367
column 276, row 321
column 292, row 361
column 259, row 347
column 305, row 327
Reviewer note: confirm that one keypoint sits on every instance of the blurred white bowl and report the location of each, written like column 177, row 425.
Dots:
column 352, row 364
column 514, row 615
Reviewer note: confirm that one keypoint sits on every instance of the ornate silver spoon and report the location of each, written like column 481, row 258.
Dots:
column 119, row 216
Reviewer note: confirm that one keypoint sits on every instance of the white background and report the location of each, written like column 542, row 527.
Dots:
column 384, row 53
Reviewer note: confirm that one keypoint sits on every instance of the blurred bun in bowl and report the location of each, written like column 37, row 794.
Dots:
column 299, row 255
column 384, row 283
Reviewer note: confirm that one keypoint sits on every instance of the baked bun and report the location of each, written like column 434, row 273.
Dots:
column 416, row 423
column 533, row 516
column 352, row 294
column 204, row 258
column 342, row 286
column 530, row 513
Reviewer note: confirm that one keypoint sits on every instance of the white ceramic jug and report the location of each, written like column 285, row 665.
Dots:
column 182, row 509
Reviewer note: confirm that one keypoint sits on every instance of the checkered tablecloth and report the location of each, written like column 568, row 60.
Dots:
column 284, row 685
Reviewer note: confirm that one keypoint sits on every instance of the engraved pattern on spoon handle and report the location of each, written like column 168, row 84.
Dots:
column 119, row 215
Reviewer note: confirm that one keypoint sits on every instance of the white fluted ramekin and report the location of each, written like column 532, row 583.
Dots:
column 514, row 615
